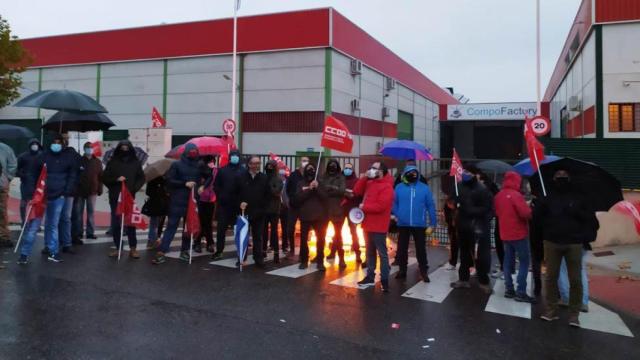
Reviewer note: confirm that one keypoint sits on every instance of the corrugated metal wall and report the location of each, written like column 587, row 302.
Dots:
column 617, row 10
column 617, row 156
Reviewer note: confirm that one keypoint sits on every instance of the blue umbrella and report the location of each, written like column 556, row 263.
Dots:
column 406, row 150
column 524, row 167
column 241, row 234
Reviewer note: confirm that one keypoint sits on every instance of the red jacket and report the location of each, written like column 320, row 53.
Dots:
column 377, row 203
column 512, row 210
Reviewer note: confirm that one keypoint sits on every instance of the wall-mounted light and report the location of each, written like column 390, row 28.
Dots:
column 627, row 83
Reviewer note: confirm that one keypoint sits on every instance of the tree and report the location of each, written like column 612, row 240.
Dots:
column 14, row 59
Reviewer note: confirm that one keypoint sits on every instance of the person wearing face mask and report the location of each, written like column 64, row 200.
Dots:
column 206, row 207
column 294, row 211
column 349, row 201
column 8, row 166
column 125, row 167
column 331, row 189
column 272, row 213
column 567, row 223
column 24, row 171
column 65, row 228
column 412, row 202
column 89, row 188
column 284, row 210
column 376, row 189
column 60, row 181
column 183, row 176
column 312, row 212
column 227, row 189
column 475, row 212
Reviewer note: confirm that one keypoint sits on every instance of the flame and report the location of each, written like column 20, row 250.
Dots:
column 347, row 241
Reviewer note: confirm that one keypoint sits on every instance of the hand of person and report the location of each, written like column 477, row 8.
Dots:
column 394, row 218
column 314, row 184
column 243, row 206
column 429, row 231
column 363, row 176
column 122, row 178
column 361, row 206
column 190, row 184
column 200, row 190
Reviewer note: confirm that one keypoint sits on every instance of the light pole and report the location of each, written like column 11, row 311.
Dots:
column 539, row 100
column 234, row 82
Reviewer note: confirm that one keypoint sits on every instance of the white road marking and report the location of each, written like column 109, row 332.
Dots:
column 501, row 305
column 351, row 279
column 436, row 290
column 600, row 319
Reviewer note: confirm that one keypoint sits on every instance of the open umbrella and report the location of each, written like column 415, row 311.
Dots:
column 601, row 189
column 67, row 100
column 157, row 169
column 406, row 150
column 207, row 145
column 494, row 166
column 77, row 121
column 140, row 154
column 14, row 132
column 524, row 167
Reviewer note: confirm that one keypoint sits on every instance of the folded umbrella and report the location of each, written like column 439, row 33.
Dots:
column 406, row 150
column 78, row 121
column 524, row 167
column 14, row 132
column 67, row 100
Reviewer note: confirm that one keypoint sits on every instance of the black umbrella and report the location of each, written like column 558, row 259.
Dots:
column 67, row 100
column 600, row 188
column 76, row 121
column 494, row 166
column 14, row 132
column 140, row 154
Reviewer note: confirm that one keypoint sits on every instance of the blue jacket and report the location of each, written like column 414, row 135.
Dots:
column 412, row 202
column 62, row 172
column 181, row 172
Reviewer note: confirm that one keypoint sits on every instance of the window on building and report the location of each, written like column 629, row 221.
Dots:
column 624, row 117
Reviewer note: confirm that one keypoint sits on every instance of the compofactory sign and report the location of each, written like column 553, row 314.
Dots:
column 498, row 111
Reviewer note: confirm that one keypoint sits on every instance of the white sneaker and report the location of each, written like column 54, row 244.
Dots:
column 450, row 267
column 497, row 274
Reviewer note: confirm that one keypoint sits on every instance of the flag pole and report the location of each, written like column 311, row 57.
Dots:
column 539, row 102
column 455, row 181
column 191, row 230
column 121, row 235
column 241, row 250
column 318, row 167
column 26, row 221
column 535, row 155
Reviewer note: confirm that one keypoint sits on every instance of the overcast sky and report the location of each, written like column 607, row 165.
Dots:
column 485, row 49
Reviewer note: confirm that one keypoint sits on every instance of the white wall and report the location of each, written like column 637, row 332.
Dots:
column 620, row 62
column 29, row 86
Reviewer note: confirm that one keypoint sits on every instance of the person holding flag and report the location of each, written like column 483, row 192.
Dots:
column 27, row 177
column 123, row 169
column 33, row 217
column 183, row 175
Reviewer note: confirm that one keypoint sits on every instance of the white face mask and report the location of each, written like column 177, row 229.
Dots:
column 372, row 173
column 282, row 172
column 304, row 164
column 35, row 147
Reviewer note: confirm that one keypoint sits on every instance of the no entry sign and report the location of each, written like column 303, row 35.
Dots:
column 229, row 127
column 540, row 125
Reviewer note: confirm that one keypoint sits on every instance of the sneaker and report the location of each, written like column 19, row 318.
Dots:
column 211, row 249
column 342, row 264
column 303, row 265
column 574, row 320
column 150, row 245
column 321, row 267
column 113, row 254
column 367, row 281
column 54, row 258
column 460, row 284
column 425, row 277
column 23, row 260
column 331, row 256
column 159, row 259
column 450, row 267
column 77, row 241
column 526, row 299
column 45, row 251
column 401, row 275
column 92, row 237
column 549, row 315
column 197, row 248
column 133, row 253
column 496, row 274
column 510, row 294
column 563, row 303
column 68, row 250
column 486, row 288
column 216, row 256
column 584, row 308
column 184, row 255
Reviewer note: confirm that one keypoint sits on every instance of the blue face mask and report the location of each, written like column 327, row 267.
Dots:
column 347, row 172
column 234, row 159
column 88, row 151
column 56, row 148
column 467, row 176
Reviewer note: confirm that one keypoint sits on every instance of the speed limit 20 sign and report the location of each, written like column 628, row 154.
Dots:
column 540, row 125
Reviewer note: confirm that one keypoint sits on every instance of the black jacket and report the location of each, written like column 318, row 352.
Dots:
column 275, row 190
column 158, row 202
column 123, row 164
column 26, row 170
column 256, row 192
column 476, row 207
column 331, row 189
column 292, row 187
column 62, row 172
column 310, row 204
column 227, row 186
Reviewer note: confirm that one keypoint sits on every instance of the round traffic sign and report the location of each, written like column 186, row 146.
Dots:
column 540, row 125
column 229, row 126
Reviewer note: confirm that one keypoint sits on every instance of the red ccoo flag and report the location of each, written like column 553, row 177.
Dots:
column 535, row 148
column 97, row 148
column 281, row 164
column 39, row 202
column 631, row 210
column 336, row 135
column 193, row 220
column 157, row 121
column 128, row 208
column 456, row 166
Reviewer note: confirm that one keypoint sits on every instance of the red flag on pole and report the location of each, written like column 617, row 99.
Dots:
column 39, row 202
column 456, row 166
column 97, row 148
column 336, row 135
column 193, row 220
column 157, row 121
column 535, row 148
column 128, row 208
column 281, row 164
column 631, row 210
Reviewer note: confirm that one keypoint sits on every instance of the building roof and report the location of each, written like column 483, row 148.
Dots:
column 317, row 28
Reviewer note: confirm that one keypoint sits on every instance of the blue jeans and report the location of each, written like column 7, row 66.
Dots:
column 23, row 209
column 79, row 204
column 153, row 228
column 169, row 232
column 377, row 242
column 52, row 222
column 29, row 237
column 64, row 228
column 511, row 249
column 563, row 281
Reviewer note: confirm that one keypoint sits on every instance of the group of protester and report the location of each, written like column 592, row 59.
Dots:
column 559, row 225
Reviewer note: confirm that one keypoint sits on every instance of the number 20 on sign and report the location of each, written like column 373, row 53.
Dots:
column 540, row 125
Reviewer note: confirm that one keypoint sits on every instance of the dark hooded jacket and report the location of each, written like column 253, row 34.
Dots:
column 179, row 174
column 26, row 170
column 158, row 202
column 255, row 191
column 123, row 164
column 90, row 179
column 310, row 204
column 62, row 172
column 476, row 207
column 275, row 184
column 227, row 185
column 331, row 189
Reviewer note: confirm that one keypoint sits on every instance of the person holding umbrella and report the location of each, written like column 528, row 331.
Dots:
column 9, row 165
column 125, row 167
column 183, row 175
column 89, row 188
column 28, row 178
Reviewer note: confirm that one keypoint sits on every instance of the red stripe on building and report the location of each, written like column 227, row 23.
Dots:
column 352, row 40
column 617, row 10
column 369, row 127
column 255, row 33
column 583, row 124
